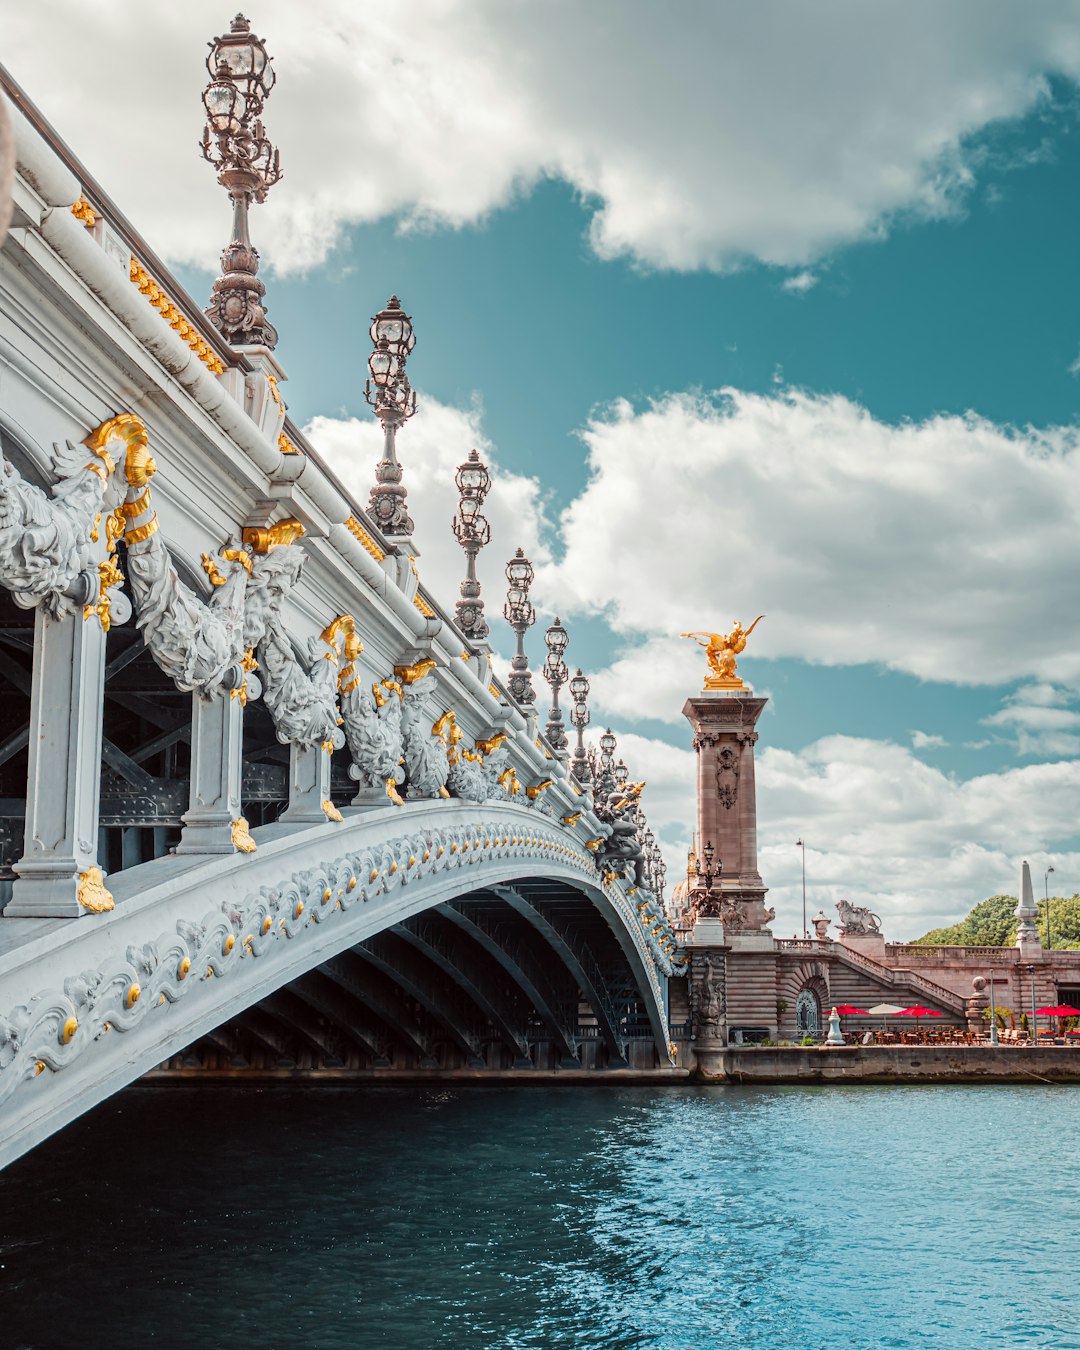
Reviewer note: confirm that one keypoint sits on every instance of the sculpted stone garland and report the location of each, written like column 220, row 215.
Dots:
column 57, row 1027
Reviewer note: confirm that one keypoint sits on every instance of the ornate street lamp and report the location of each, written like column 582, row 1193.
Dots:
column 521, row 616
column 556, row 640
column 248, row 166
column 472, row 531
column 622, row 773
column 1046, row 894
column 607, row 750
column 389, row 393
column 712, row 871
column 579, row 692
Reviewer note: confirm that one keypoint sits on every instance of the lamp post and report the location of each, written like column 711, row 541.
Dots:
column 556, row 639
column 711, row 872
column 1034, row 1014
column 521, row 616
column 801, row 845
column 1046, row 894
column 248, row 166
column 579, row 692
column 390, row 395
column 993, row 1012
column 472, row 531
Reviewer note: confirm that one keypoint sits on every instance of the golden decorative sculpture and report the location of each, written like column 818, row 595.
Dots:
column 721, row 649
column 262, row 538
column 92, row 893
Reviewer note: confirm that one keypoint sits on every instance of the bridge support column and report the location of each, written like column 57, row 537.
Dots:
column 309, row 783
column 58, row 874
column 211, row 820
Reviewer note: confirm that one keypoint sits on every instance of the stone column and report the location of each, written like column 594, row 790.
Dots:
column 724, row 738
column 58, row 874
column 213, row 823
column 309, row 784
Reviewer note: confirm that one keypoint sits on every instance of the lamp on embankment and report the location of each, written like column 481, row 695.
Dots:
column 799, row 844
column 1046, row 893
column 1034, row 1009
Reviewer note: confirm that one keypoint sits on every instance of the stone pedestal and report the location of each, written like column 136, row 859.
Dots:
column 212, row 823
column 871, row 945
column 708, row 1000
column 724, row 738
column 309, row 784
column 58, row 874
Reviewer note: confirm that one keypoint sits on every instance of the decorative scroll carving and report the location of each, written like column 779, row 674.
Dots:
column 857, row 918
column 47, row 543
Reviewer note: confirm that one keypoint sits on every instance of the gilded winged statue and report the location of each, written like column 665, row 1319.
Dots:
column 721, row 649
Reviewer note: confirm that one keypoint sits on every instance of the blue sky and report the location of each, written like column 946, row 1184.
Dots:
column 898, row 251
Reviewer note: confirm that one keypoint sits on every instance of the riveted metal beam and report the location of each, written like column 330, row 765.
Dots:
column 561, row 1034
column 394, row 1014
column 589, row 982
column 446, row 961
column 435, row 1008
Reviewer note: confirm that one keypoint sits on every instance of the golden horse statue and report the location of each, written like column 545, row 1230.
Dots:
column 721, row 649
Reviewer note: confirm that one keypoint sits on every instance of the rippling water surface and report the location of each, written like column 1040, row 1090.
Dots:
column 578, row 1217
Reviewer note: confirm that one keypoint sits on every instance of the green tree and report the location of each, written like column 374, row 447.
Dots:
column 1064, row 921
column 991, row 923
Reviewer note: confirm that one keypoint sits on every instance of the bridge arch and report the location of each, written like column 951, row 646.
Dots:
column 242, row 928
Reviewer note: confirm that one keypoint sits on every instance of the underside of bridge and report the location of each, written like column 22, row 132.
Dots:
column 517, row 977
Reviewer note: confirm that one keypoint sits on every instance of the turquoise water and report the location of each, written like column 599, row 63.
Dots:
column 577, row 1217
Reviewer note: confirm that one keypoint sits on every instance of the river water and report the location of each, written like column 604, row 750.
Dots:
column 679, row 1218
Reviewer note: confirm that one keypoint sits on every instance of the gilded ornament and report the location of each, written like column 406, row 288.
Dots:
column 533, row 792
column 286, row 446
column 262, row 538
column 393, row 794
column 68, row 1030
column 133, row 995
column 593, row 843
column 572, row 820
column 91, row 892
column 183, row 968
column 241, row 836
column 182, row 326
column 331, row 812
column 82, row 210
column 491, row 744
column 417, row 671
column 142, row 533
column 721, row 649
column 364, row 539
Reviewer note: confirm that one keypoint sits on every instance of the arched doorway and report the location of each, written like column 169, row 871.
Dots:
column 807, row 1013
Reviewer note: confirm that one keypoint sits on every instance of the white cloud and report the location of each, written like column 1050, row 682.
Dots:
column 1039, row 719
column 946, row 549
column 800, row 283
column 774, row 131
column 925, row 740
column 882, row 828
column 430, row 447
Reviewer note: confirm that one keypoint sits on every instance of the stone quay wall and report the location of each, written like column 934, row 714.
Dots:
column 889, row 1064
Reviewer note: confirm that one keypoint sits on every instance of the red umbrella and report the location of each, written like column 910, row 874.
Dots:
column 849, row 1010
column 1062, row 1010
column 917, row 1010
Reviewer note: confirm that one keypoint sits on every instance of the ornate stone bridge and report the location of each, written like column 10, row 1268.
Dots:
column 263, row 803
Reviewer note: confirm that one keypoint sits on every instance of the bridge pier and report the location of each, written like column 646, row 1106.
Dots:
column 58, row 875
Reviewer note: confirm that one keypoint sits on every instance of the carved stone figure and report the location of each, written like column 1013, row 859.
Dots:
column 47, row 542
column 199, row 644
column 621, row 850
column 857, row 918
column 427, row 758
column 710, row 1003
column 302, row 702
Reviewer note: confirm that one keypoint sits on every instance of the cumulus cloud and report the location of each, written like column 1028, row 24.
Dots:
column 773, row 132
column 800, row 282
column 431, row 446
column 945, row 549
column 881, row 827
column 925, row 740
column 1040, row 720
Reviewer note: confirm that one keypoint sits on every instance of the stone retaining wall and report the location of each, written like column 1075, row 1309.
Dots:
column 891, row 1064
